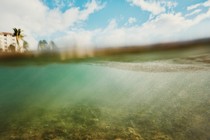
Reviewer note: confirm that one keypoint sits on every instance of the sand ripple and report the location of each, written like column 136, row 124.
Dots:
column 157, row 66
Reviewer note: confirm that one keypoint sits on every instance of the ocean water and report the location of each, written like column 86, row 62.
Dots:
column 159, row 99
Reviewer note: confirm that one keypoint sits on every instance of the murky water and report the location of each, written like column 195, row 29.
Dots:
column 154, row 100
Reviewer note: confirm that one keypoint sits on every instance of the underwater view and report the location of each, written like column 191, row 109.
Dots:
column 146, row 96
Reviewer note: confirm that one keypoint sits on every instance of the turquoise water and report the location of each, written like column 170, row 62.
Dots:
column 106, row 100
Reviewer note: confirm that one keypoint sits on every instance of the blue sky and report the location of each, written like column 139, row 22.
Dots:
column 102, row 23
column 121, row 10
column 114, row 9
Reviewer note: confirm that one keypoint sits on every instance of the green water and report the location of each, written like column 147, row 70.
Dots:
column 102, row 101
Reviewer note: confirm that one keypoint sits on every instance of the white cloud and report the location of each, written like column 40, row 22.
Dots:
column 207, row 3
column 38, row 20
column 201, row 17
column 193, row 12
column 163, row 28
column 154, row 6
column 192, row 7
column 170, row 4
column 112, row 24
column 91, row 7
column 195, row 6
column 132, row 20
column 151, row 6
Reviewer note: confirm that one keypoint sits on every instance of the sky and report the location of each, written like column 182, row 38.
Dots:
column 106, row 23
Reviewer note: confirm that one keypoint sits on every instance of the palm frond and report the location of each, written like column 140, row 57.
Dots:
column 15, row 31
column 18, row 32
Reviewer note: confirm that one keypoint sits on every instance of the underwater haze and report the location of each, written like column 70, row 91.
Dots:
column 124, row 97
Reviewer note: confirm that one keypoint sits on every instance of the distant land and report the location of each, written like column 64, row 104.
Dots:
column 155, row 47
column 81, row 53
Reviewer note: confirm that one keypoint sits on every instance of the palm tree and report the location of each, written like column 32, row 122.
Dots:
column 19, row 36
column 42, row 45
column 52, row 46
column 25, row 45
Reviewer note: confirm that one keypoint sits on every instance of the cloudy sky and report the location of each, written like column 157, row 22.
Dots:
column 102, row 23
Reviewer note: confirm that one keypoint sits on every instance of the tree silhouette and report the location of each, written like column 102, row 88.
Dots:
column 19, row 36
column 25, row 45
column 42, row 45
